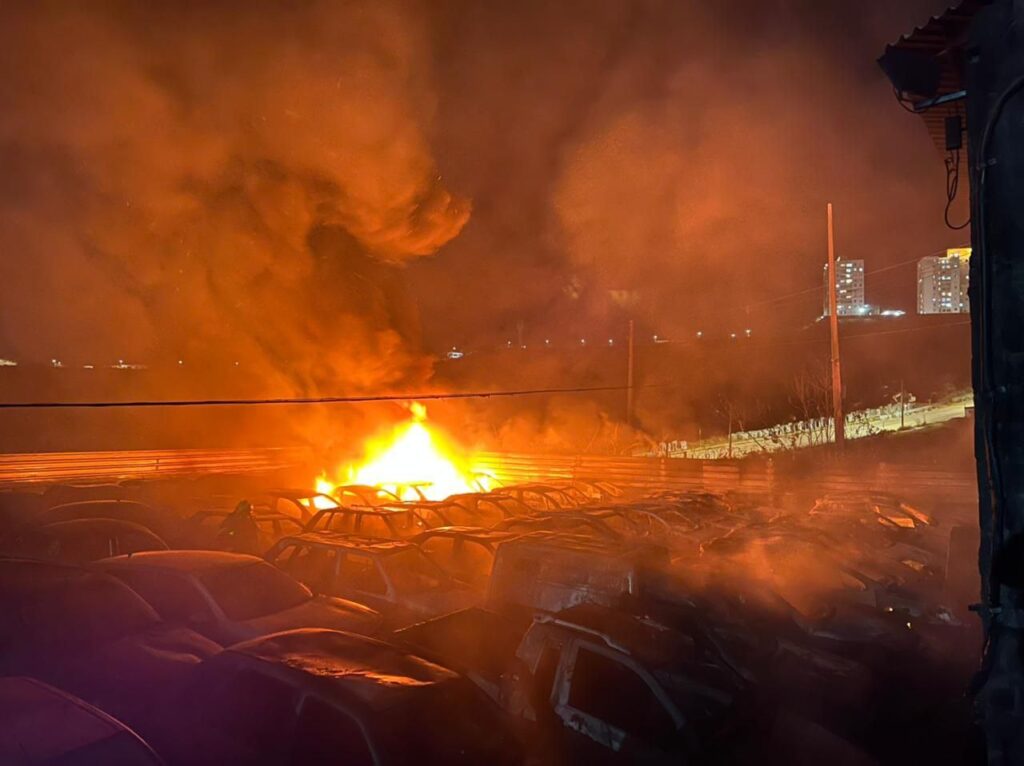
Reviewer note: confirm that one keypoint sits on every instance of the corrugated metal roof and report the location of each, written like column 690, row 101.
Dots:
column 942, row 37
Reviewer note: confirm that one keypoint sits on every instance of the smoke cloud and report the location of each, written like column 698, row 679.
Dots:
column 202, row 180
column 267, row 182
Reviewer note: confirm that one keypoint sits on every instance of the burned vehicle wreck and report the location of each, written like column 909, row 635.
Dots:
column 673, row 699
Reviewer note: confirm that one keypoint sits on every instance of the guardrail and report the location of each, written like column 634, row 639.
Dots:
column 46, row 467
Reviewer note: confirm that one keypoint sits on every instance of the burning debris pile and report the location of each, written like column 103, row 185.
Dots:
column 413, row 462
column 551, row 622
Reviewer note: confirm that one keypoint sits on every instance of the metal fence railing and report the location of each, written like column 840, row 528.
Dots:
column 911, row 481
column 48, row 467
column 925, row 483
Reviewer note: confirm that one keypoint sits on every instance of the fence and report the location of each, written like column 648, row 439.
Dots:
column 750, row 475
column 916, row 482
column 638, row 472
column 133, row 464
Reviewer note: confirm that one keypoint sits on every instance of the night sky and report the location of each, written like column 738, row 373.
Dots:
column 328, row 191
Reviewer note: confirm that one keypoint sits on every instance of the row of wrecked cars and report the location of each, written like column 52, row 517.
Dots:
column 542, row 623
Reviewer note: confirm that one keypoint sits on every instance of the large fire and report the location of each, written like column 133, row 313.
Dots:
column 411, row 460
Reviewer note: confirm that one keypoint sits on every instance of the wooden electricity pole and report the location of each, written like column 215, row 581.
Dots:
column 833, row 324
column 629, row 375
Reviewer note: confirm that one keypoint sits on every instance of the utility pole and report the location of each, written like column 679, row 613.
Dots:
column 903, row 405
column 730, row 429
column 629, row 374
column 833, row 324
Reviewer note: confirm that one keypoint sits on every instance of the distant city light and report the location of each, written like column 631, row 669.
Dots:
column 611, row 342
column 732, row 335
column 123, row 365
column 547, row 342
column 583, row 341
column 655, row 338
column 8, row 363
column 56, row 363
column 181, row 361
column 88, row 367
column 747, row 331
column 454, row 354
column 700, row 334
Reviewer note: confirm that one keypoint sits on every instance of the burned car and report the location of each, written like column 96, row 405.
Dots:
column 362, row 494
column 230, row 597
column 320, row 696
column 541, row 497
column 299, row 504
column 883, row 507
column 465, row 553
column 388, row 523
column 392, row 576
column 552, row 571
column 83, row 540
column 491, row 508
column 573, row 522
column 597, row 682
column 204, row 528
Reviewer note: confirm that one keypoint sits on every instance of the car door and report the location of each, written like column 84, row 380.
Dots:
column 358, row 577
column 238, row 716
column 311, row 565
column 636, row 720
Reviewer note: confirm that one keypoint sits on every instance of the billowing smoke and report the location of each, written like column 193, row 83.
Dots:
column 262, row 182
column 212, row 180
column 671, row 161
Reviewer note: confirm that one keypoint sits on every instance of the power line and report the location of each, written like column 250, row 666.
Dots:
column 819, row 289
column 908, row 329
column 309, row 400
column 150, row 403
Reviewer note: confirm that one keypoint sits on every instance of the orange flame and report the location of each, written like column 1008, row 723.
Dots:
column 413, row 458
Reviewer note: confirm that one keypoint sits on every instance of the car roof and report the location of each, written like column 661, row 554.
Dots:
column 96, row 503
column 80, row 526
column 469, row 533
column 366, row 510
column 566, row 541
column 44, row 723
column 33, row 573
column 357, row 489
column 33, row 580
column 188, row 562
column 376, row 673
column 329, row 539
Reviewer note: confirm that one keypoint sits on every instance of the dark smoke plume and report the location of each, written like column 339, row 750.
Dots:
column 208, row 180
